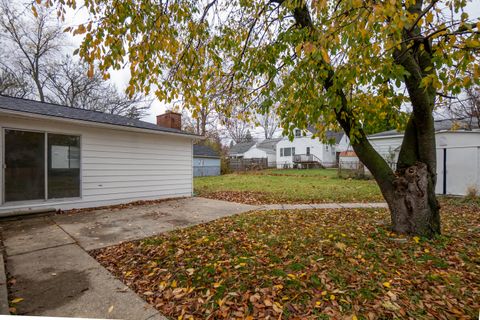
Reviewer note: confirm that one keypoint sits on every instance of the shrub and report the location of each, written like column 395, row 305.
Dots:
column 472, row 193
column 224, row 166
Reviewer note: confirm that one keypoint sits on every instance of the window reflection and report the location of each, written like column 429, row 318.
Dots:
column 63, row 166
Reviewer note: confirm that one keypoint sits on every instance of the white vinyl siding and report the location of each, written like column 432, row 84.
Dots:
column 462, row 168
column 117, row 166
column 299, row 146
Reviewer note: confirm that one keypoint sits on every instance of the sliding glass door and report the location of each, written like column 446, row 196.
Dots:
column 26, row 173
column 63, row 166
column 24, row 165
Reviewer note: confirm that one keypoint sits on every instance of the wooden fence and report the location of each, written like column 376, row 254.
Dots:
column 248, row 164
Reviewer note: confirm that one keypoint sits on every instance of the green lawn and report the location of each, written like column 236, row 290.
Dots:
column 287, row 186
column 306, row 264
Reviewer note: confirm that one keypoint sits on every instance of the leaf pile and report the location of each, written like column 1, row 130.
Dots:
column 247, row 197
column 306, row 264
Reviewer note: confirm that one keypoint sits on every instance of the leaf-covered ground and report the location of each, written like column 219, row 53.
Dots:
column 315, row 264
column 287, row 186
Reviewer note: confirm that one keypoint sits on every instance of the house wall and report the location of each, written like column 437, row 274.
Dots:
column 117, row 166
column 255, row 152
column 203, row 167
column 300, row 144
column 462, row 169
column 326, row 153
column 329, row 155
column 388, row 147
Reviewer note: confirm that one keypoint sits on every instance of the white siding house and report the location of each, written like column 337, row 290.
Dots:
column 325, row 153
column 238, row 150
column 54, row 159
column 264, row 149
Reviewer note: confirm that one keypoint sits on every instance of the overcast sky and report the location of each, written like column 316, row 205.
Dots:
column 121, row 77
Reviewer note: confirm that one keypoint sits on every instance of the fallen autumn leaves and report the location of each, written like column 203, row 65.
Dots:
column 306, row 265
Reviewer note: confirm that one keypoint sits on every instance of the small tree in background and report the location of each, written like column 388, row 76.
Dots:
column 268, row 121
column 468, row 108
column 13, row 84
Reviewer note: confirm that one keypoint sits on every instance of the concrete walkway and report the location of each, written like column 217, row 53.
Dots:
column 324, row 206
column 53, row 273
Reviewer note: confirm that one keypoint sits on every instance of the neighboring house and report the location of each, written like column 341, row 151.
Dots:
column 305, row 151
column 264, row 149
column 238, row 150
column 206, row 161
column 61, row 157
column 458, row 154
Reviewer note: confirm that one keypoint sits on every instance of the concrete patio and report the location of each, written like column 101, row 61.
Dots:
column 53, row 273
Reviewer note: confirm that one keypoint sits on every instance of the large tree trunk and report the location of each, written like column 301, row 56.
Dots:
column 414, row 208
column 409, row 192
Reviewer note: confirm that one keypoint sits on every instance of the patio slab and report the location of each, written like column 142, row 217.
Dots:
column 65, row 281
column 32, row 234
column 106, row 227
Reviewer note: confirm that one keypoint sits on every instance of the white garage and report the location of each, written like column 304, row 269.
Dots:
column 57, row 157
column 458, row 156
column 458, row 162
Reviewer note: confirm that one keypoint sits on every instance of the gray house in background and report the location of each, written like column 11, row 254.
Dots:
column 206, row 161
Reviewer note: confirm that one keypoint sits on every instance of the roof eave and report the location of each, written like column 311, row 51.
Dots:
column 386, row 136
column 210, row 157
column 98, row 124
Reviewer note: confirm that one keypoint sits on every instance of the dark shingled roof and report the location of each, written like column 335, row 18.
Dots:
column 268, row 144
column 335, row 136
column 59, row 111
column 202, row 151
column 241, row 147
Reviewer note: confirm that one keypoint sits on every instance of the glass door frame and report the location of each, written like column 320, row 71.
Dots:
column 45, row 146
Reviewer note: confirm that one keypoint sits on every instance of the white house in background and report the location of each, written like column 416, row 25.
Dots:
column 458, row 155
column 303, row 150
column 264, row 149
column 237, row 151
column 57, row 157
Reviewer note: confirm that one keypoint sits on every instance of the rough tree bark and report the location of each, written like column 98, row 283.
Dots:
column 410, row 191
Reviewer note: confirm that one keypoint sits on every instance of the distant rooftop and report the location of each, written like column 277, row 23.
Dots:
column 200, row 150
column 335, row 136
column 58, row 111
column 268, row 144
column 241, row 147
